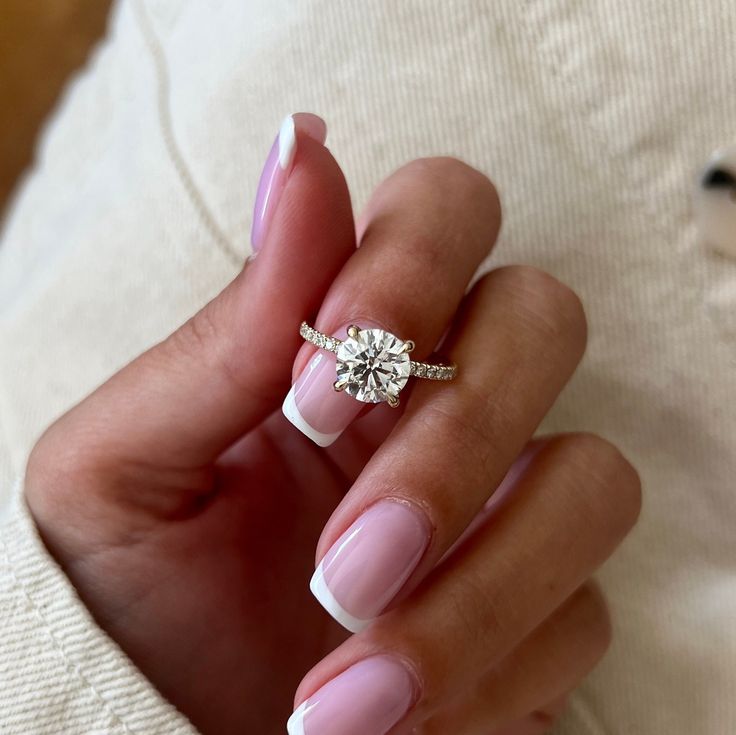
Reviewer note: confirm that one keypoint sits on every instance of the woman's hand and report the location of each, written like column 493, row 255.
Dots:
column 186, row 510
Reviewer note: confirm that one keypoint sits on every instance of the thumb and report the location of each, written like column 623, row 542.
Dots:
column 175, row 408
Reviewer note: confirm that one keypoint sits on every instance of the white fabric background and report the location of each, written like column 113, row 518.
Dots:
column 593, row 117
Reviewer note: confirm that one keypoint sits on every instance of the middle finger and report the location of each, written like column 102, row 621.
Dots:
column 517, row 341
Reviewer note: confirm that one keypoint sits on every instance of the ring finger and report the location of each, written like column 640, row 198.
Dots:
column 433, row 217
column 542, row 669
column 517, row 340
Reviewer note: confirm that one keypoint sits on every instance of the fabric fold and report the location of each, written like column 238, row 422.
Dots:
column 60, row 672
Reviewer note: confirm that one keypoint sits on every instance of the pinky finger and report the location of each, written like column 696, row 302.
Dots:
column 525, row 692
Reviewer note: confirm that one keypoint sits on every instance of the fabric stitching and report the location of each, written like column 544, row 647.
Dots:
column 163, row 78
column 56, row 644
column 553, row 65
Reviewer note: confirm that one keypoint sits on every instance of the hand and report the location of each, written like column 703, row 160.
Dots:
column 186, row 510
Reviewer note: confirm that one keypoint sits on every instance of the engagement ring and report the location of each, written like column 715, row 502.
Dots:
column 373, row 365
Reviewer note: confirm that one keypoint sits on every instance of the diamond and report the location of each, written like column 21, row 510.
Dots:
column 374, row 365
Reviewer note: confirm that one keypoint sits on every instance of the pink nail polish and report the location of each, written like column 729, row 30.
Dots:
column 368, row 565
column 314, row 406
column 277, row 169
column 369, row 698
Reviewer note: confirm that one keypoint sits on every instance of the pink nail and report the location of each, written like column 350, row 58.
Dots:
column 369, row 698
column 314, row 406
column 277, row 169
column 368, row 565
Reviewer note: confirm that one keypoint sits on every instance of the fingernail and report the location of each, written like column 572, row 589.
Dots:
column 314, row 406
column 277, row 169
column 369, row 698
column 368, row 565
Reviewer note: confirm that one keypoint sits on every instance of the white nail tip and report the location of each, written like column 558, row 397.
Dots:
column 324, row 596
column 295, row 725
column 291, row 411
column 287, row 142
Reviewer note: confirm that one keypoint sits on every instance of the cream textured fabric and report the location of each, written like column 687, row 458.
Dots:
column 593, row 116
column 59, row 673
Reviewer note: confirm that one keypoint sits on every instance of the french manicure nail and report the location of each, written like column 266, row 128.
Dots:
column 368, row 565
column 369, row 698
column 277, row 169
column 314, row 406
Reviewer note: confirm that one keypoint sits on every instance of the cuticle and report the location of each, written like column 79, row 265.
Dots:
column 419, row 509
column 417, row 679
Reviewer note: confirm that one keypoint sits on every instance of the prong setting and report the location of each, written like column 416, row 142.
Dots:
column 373, row 365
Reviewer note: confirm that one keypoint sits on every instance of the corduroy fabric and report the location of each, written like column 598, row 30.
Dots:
column 59, row 673
column 593, row 117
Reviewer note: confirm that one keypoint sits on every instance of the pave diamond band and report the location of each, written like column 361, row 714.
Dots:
column 373, row 365
column 318, row 339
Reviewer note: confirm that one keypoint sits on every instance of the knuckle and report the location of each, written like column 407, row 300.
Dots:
column 198, row 335
column 545, row 302
column 209, row 337
column 423, row 249
column 482, row 621
column 62, row 460
column 465, row 413
column 473, row 619
column 614, row 486
column 453, row 177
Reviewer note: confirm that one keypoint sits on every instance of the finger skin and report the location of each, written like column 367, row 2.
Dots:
column 517, row 341
column 161, row 420
column 538, row 722
column 433, row 216
column 550, row 662
column 573, row 505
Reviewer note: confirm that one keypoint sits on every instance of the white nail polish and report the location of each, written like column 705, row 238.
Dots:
column 295, row 724
column 287, row 143
column 291, row 411
column 325, row 598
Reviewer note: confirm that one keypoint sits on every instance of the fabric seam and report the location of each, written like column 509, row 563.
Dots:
column 186, row 178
